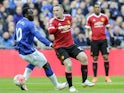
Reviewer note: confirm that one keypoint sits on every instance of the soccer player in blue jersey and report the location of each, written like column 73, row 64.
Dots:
column 24, row 37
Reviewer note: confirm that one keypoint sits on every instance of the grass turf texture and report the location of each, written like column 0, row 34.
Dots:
column 43, row 85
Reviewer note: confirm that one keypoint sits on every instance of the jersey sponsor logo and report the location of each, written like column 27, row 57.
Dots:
column 65, row 31
column 65, row 28
column 60, row 27
column 68, row 21
column 98, row 24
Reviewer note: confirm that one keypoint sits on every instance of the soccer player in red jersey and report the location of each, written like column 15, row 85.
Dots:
column 97, row 23
column 60, row 27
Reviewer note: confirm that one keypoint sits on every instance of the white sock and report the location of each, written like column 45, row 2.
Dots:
column 54, row 80
column 27, row 73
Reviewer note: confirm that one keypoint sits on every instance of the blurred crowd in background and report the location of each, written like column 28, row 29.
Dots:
column 11, row 13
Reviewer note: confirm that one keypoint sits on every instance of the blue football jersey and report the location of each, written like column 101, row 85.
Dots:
column 24, row 36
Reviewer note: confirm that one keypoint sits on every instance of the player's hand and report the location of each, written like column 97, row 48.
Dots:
column 88, row 41
column 112, row 41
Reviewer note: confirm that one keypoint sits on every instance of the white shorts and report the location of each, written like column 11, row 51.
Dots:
column 37, row 58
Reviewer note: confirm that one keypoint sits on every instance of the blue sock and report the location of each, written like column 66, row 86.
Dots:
column 30, row 66
column 48, row 69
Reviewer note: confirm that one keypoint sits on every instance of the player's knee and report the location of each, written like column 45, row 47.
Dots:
column 82, row 57
column 95, row 58
column 48, row 69
column 68, row 64
column 68, row 67
column 105, row 57
column 84, row 60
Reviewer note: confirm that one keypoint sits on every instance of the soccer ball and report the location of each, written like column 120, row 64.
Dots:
column 19, row 79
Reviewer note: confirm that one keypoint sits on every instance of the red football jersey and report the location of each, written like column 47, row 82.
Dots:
column 97, row 25
column 63, row 38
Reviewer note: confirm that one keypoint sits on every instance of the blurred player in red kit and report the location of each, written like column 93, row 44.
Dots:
column 60, row 27
column 97, row 23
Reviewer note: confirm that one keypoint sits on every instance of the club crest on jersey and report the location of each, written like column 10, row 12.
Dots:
column 68, row 21
column 98, row 24
column 102, row 19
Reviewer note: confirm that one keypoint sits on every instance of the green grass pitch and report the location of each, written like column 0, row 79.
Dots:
column 43, row 85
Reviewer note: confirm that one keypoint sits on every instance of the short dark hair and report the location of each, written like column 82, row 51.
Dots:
column 58, row 5
column 25, row 10
column 96, row 4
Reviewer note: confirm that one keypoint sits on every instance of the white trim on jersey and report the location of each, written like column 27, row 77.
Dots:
column 51, row 20
column 60, row 19
column 104, row 15
column 96, row 15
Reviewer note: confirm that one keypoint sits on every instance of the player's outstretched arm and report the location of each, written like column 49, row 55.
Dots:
column 38, row 35
column 42, row 39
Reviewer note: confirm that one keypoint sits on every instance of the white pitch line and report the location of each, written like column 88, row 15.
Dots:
column 98, row 83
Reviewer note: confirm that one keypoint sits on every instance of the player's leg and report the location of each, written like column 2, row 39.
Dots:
column 41, row 61
column 79, row 54
column 29, row 68
column 68, row 73
column 50, row 74
column 84, row 65
column 95, row 68
column 105, row 52
column 62, row 54
column 106, row 66
column 82, row 57
column 94, row 54
column 35, row 59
